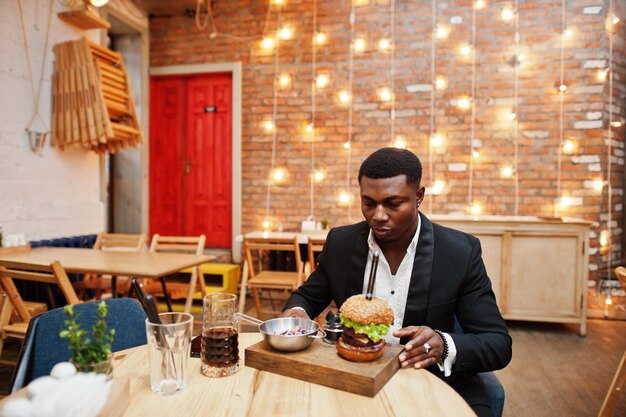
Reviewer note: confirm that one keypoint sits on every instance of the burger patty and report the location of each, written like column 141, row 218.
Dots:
column 350, row 337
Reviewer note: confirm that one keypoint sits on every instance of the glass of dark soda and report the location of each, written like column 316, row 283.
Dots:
column 220, row 341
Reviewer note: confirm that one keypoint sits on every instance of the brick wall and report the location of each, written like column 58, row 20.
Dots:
column 176, row 40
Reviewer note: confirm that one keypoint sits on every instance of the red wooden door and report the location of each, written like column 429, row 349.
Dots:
column 191, row 122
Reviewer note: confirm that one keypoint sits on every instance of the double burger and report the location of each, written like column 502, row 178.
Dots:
column 365, row 324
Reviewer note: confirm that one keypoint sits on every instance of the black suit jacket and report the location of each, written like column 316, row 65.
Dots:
column 449, row 280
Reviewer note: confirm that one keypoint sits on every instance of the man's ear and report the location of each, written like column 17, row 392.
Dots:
column 419, row 195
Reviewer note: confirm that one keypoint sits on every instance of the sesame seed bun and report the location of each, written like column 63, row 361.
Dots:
column 376, row 311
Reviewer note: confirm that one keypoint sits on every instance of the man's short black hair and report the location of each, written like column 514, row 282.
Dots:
column 391, row 162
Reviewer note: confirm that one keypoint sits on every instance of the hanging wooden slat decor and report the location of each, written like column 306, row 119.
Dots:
column 92, row 105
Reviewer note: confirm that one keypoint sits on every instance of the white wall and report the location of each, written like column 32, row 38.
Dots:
column 53, row 193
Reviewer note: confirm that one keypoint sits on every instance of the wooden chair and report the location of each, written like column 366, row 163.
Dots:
column 314, row 246
column 114, row 242
column 268, row 279
column 50, row 274
column 619, row 379
column 180, row 244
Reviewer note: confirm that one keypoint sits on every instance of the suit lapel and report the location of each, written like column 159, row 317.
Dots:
column 357, row 264
column 419, row 287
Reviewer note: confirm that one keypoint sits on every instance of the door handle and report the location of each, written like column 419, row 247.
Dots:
column 187, row 166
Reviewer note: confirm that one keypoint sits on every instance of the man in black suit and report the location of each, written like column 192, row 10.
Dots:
column 429, row 274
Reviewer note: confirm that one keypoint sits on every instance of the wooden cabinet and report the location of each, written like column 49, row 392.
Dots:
column 538, row 268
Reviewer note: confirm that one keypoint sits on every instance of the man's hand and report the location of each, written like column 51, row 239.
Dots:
column 294, row 312
column 417, row 353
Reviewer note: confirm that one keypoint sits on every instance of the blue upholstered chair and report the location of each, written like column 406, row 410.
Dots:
column 495, row 390
column 43, row 348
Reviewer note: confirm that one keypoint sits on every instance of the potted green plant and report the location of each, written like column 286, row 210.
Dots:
column 89, row 354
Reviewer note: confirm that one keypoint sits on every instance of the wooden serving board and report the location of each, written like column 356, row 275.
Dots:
column 321, row 364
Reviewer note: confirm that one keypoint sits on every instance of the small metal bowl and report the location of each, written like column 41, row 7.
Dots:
column 271, row 330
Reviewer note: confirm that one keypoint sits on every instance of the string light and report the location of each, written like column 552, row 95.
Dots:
column 568, row 33
column 436, row 140
column 347, row 145
column 384, row 94
column 309, row 128
column 399, row 142
column 479, row 4
column 359, row 45
column 433, row 57
column 464, row 103
column 384, row 45
column 319, row 176
column 520, row 58
column 344, row 198
column 442, row 32
column 438, row 187
column 465, row 50
column 506, row 171
column 562, row 88
column 598, row 185
column 284, row 80
column 441, row 83
column 475, row 154
column 507, row 14
column 615, row 20
column 268, row 125
column 320, row 38
column 279, row 174
column 285, row 33
column 267, row 223
column 344, row 97
column 476, row 209
column 602, row 74
column 268, row 43
column 512, row 116
column 569, row 146
column 322, row 80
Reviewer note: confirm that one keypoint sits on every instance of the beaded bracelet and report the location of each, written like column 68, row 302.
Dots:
column 444, row 355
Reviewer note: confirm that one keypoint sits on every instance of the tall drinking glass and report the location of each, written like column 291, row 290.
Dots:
column 220, row 344
column 169, row 344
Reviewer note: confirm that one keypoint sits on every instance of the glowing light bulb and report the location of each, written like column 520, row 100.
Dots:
column 266, row 224
column 465, row 50
column 436, row 140
column 98, row 3
column 347, row 145
column 512, row 116
column 322, row 80
column 442, row 32
column 344, row 96
column 520, row 58
column 568, row 146
column 475, row 154
column 565, row 201
column 344, row 198
column 441, row 83
column 268, row 125
column 598, row 185
column 319, row 175
column 506, row 14
column 309, row 128
column 562, row 88
column 602, row 74
column 568, row 33
column 399, row 142
column 479, row 4
column 506, row 171
column 284, row 80
column 615, row 20
column 359, row 44
column 384, row 44
column 616, row 124
column 608, row 300
column 437, row 187
column 278, row 2
column 476, row 209
column 464, row 103
column 604, row 238
column 268, row 43
column 279, row 174
column 320, row 38
column 384, row 94
column 285, row 33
